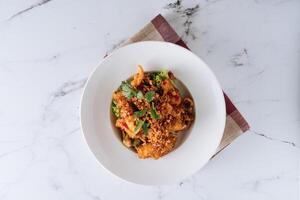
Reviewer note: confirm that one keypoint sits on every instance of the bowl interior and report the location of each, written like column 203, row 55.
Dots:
column 206, row 132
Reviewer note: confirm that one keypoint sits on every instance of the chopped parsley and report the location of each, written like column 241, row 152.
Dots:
column 153, row 113
column 115, row 110
column 164, row 74
column 158, row 77
column 127, row 90
column 145, row 128
column 140, row 113
column 139, row 95
column 149, row 96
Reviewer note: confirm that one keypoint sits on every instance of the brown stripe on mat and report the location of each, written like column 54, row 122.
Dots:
column 235, row 114
column 165, row 30
column 240, row 120
column 229, row 105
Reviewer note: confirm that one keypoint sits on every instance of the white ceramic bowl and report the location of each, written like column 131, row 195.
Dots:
column 202, row 141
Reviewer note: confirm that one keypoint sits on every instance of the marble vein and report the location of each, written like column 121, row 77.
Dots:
column 60, row 145
column 240, row 59
column 252, row 101
column 8, row 185
column 75, row 130
column 56, row 185
column 91, row 196
column 255, row 186
column 43, row 2
column 193, row 184
column 69, row 87
column 14, row 151
column 36, row 61
column 282, row 2
column 209, row 3
column 186, row 13
column 115, row 46
column 275, row 139
column 160, row 194
column 87, row 193
column 256, row 74
column 118, row 44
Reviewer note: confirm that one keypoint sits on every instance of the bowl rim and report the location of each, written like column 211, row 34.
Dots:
column 140, row 43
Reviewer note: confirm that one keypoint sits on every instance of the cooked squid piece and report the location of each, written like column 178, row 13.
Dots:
column 149, row 111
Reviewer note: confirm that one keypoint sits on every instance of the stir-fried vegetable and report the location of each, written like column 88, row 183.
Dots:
column 139, row 95
column 145, row 128
column 136, row 142
column 140, row 113
column 127, row 90
column 154, row 113
column 149, row 96
column 158, row 77
column 139, row 125
column 115, row 110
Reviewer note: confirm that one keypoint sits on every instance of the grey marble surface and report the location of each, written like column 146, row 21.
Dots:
column 49, row 47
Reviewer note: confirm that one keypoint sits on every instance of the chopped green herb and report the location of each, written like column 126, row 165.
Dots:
column 149, row 96
column 154, row 113
column 157, row 80
column 138, row 126
column 136, row 142
column 158, row 77
column 127, row 90
column 115, row 110
column 164, row 74
column 140, row 113
column 145, row 128
column 139, row 95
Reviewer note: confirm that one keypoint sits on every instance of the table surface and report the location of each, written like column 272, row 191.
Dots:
column 48, row 48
